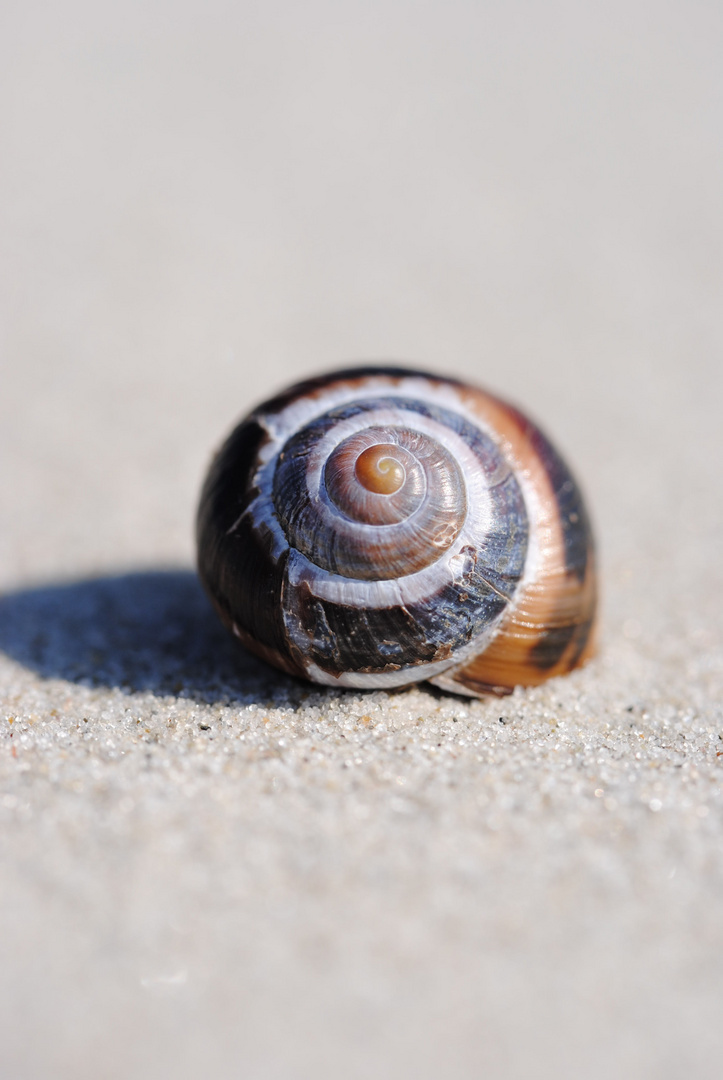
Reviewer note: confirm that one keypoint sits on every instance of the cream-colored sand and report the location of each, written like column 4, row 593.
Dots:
column 207, row 869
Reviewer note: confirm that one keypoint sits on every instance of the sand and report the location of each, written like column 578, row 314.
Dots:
column 207, row 867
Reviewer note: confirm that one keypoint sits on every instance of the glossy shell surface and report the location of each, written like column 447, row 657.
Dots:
column 380, row 526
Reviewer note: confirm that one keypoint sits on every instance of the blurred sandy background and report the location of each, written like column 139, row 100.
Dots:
column 197, row 204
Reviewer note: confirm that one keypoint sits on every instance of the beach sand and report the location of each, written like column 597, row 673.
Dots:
column 207, row 867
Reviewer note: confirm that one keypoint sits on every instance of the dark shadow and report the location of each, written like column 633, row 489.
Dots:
column 153, row 631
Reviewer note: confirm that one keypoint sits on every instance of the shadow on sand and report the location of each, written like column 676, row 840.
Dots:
column 153, row 631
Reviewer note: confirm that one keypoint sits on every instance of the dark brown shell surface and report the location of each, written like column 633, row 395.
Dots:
column 375, row 527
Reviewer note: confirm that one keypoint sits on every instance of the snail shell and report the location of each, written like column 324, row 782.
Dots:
column 376, row 527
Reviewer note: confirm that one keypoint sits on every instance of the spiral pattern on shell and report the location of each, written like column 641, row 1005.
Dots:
column 372, row 528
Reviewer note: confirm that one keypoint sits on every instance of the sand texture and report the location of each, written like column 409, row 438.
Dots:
column 208, row 868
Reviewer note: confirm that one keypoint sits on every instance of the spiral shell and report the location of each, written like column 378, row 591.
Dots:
column 380, row 526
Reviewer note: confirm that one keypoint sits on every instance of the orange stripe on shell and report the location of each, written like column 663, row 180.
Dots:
column 555, row 608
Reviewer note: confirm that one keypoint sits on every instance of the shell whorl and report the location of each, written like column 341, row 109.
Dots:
column 329, row 491
column 368, row 529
